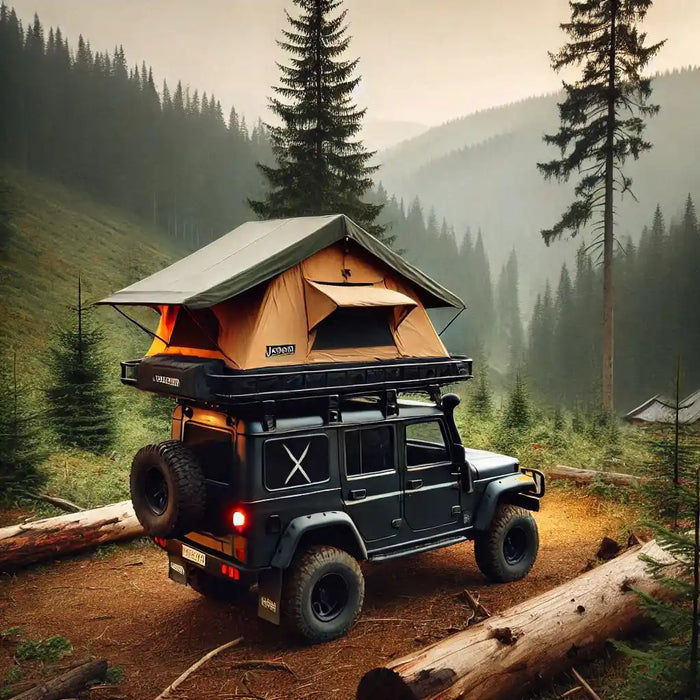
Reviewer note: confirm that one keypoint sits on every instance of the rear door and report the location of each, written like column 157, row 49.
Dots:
column 370, row 480
column 430, row 481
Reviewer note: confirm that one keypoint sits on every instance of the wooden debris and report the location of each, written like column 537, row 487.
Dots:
column 51, row 537
column 62, row 503
column 182, row 677
column 584, row 477
column 572, row 621
column 262, row 666
column 68, row 683
column 586, row 688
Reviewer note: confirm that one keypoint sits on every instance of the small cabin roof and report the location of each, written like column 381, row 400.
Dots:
column 258, row 251
column 660, row 409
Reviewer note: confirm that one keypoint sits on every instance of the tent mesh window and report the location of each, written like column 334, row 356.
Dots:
column 195, row 329
column 354, row 328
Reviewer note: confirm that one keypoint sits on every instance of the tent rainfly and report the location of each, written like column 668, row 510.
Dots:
column 660, row 409
column 292, row 291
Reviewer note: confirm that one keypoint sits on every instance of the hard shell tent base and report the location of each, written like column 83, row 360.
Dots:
column 212, row 382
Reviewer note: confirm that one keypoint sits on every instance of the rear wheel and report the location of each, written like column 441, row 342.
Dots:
column 322, row 594
column 167, row 489
column 507, row 551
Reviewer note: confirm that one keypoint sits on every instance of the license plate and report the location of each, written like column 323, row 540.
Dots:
column 193, row 555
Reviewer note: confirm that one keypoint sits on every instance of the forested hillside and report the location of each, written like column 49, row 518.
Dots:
column 480, row 171
column 170, row 163
column 50, row 235
column 657, row 319
column 87, row 118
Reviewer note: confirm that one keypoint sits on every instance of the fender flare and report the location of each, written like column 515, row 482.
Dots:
column 511, row 484
column 287, row 545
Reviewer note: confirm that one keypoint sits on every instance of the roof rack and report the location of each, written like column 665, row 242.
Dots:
column 212, row 382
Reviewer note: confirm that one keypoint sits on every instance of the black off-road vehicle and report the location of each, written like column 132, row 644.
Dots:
column 290, row 478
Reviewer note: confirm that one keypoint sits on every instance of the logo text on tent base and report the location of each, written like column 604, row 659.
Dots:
column 273, row 350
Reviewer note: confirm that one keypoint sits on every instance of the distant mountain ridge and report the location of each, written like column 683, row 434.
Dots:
column 479, row 172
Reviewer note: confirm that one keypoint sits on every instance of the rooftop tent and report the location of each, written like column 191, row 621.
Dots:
column 293, row 291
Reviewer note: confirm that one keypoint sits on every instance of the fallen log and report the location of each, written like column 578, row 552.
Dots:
column 507, row 654
column 583, row 477
column 42, row 539
column 68, row 683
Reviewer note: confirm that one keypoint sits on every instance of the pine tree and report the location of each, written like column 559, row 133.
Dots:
column 81, row 406
column 21, row 451
column 518, row 412
column 321, row 166
column 601, row 126
column 482, row 400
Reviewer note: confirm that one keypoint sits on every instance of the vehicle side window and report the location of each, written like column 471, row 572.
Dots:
column 296, row 461
column 425, row 444
column 369, row 450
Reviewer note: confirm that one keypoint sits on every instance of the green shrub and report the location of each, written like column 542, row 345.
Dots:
column 48, row 650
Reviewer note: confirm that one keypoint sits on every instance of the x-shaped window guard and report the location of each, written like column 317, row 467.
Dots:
column 297, row 463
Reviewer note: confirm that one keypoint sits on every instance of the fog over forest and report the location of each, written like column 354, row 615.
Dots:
column 462, row 198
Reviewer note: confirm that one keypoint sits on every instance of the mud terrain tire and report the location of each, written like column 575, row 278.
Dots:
column 508, row 549
column 167, row 489
column 322, row 593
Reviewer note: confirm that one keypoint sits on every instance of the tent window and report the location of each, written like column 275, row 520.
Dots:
column 354, row 328
column 195, row 329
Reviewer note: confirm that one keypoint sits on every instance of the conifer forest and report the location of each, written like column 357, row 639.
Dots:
column 538, row 161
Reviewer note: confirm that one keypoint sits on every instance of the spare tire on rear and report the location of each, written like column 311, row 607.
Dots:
column 167, row 489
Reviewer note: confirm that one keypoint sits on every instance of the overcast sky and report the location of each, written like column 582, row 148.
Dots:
column 424, row 61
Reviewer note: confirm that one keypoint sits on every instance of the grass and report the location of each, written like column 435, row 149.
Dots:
column 622, row 448
column 54, row 235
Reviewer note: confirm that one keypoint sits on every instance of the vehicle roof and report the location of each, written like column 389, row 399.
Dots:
column 356, row 412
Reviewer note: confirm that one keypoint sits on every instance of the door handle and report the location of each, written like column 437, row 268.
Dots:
column 358, row 494
column 413, row 484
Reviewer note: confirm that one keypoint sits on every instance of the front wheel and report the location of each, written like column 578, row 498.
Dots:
column 322, row 594
column 508, row 549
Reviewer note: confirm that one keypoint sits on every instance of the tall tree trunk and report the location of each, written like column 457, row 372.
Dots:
column 696, row 592
column 608, row 231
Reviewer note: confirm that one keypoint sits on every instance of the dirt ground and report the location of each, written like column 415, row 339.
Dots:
column 124, row 609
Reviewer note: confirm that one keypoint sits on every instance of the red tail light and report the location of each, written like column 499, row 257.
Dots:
column 239, row 519
column 230, row 572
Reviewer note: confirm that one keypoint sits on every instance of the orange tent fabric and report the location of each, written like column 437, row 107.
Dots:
column 281, row 321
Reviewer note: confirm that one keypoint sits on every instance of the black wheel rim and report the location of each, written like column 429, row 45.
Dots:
column 515, row 545
column 155, row 489
column 329, row 597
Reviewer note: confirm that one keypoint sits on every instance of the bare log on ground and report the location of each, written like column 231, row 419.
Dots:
column 583, row 477
column 509, row 653
column 43, row 539
column 68, row 683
